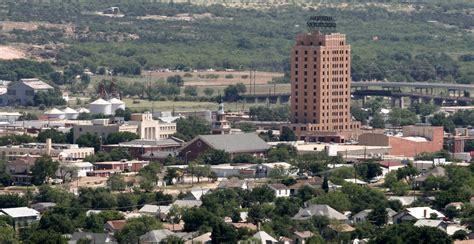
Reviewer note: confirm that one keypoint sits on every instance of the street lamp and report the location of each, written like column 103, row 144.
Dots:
column 186, row 162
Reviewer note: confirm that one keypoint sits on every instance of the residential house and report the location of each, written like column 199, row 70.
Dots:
column 280, row 190
column 112, row 226
column 233, row 182
column 234, row 144
column 417, row 213
column 23, row 91
column 187, row 203
column 404, row 200
column 434, row 172
column 436, row 223
column 313, row 182
column 336, row 230
column 203, row 239
column 43, row 206
column 159, row 211
column 196, row 194
column 319, row 210
column 123, row 166
column 93, row 237
column 248, row 226
column 301, row 237
column 456, row 205
column 228, row 170
column 22, row 216
column 388, row 166
column 20, row 169
column 264, row 238
column 156, row 236
column 362, row 215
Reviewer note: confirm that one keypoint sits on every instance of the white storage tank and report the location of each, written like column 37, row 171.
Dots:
column 83, row 110
column 70, row 113
column 116, row 104
column 55, row 114
column 100, row 106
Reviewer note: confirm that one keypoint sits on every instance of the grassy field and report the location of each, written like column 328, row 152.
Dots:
column 145, row 105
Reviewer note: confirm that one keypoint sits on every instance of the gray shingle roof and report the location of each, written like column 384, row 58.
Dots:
column 319, row 210
column 235, row 143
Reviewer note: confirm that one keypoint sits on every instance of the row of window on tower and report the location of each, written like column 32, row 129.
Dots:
column 324, row 52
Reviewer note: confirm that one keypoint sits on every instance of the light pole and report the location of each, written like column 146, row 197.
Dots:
column 186, row 162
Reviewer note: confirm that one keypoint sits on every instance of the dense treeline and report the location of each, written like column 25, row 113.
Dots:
column 428, row 43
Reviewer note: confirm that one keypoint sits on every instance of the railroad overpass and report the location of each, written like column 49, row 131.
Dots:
column 439, row 93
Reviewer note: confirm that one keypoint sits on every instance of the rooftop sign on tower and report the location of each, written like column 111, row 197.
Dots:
column 321, row 23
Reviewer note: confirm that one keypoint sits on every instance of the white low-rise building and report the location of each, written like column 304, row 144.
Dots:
column 280, row 190
column 22, row 215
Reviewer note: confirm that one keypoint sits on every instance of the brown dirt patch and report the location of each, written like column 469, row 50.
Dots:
column 9, row 53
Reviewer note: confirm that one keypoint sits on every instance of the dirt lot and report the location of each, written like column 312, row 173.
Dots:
column 8, row 53
column 29, row 26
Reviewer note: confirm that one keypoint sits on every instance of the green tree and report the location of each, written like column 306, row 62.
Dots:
column 325, row 185
column 190, row 91
column 402, row 117
column 89, row 140
column 176, row 80
column 378, row 216
column 56, row 222
column 244, row 158
column 377, row 121
column 368, row 170
column 208, row 91
column 232, row 92
column 281, row 153
column 116, row 182
column 287, row 134
column 406, row 233
column 43, row 169
column 12, row 200
column 262, row 194
column 199, row 171
column 190, row 127
column 215, row 156
column 136, row 227
column 337, row 200
column 117, row 154
column 8, row 234
column 118, row 137
column 56, row 136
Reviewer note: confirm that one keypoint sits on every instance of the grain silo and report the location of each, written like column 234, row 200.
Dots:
column 116, row 104
column 55, row 114
column 70, row 113
column 100, row 106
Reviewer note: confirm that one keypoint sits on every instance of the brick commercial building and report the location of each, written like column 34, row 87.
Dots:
column 234, row 144
column 321, row 88
column 416, row 139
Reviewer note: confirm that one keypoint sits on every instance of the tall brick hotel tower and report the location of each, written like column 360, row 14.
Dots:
column 321, row 84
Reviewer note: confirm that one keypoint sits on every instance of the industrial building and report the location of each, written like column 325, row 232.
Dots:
column 22, row 92
column 414, row 140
